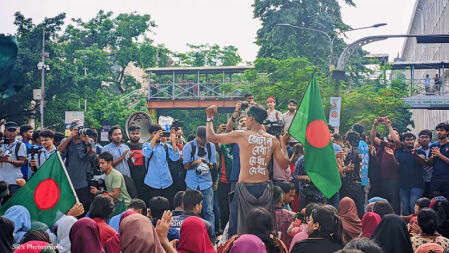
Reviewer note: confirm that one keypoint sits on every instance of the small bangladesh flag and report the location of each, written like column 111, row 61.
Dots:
column 309, row 126
column 48, row 194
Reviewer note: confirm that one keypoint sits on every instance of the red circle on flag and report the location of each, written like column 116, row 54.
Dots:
column 46, row 194
column 317, row 134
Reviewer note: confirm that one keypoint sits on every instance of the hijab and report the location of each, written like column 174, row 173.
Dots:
column 370, row 221
column 64, row 227
column 6, row 234
column 137, row 234
column 429, row 247
column 441, row 207
column 248, row 243
column 113, row 244
column 352, row 225
column 194, row 237
column 85, row 230
column 22, row 221
column 392, row 235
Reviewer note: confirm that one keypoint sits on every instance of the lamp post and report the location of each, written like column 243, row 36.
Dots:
column 42, row 67
column 331, row 37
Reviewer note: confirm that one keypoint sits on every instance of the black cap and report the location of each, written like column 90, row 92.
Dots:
column 201, row 132
column 11, row 125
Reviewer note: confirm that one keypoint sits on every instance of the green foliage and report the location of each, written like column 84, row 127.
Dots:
column 207, row 55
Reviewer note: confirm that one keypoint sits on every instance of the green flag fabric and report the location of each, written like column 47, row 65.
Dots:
column 309, row 126
column 47, row 195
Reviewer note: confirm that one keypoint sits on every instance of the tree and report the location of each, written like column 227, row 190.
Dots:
column 207, row 55
column 280, row 42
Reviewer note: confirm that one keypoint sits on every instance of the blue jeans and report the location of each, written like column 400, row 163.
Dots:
column 334, row 200
column 208, row 208
column 409, row 198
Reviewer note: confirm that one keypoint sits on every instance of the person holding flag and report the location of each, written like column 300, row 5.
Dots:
column 254, row 188
column 309, row 127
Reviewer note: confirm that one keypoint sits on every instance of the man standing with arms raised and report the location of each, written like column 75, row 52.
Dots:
column 254, row 188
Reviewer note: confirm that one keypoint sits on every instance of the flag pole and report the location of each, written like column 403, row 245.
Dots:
column 313, row 74
column 68, row 178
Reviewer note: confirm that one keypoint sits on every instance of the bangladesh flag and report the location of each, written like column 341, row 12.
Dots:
column 48, row 194
column 309, row 126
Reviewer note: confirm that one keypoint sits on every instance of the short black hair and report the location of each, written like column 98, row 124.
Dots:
column 248, row 95
column 358, row 128
column 138, row 204
column 382, row 208
column 157, row 206
column 36, row 135
column 337, row 137
column 427, row 221
column 35, row 235
column 331, row 129
column 353, row 138
column 258, row 112
column 101, row 207
column 111, row 131
column 443, row 126
column 177, row 199
column 292, row 101
column 425, row 132
column 277, row 194
column 287, row 186
column 106, row 156
column 92, row 132
column 190, row 137
column 24, row 129
column 365, row 245
column 58, row 136
column 154, row 128
column 423, row 203
column 191, row 198
column 47, row 133
column 407, row 135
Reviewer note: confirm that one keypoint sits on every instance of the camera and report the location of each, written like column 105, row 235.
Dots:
column 165, row 134
column 243, row 105
column 33, row 150
column 203, row 168
column 274, row 127
column 82, row 130
column 96, row 177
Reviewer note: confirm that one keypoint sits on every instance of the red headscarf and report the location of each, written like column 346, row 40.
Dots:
column 113, row 244
column 194, row 237
column 370, row 221
column 85, row 237
column 352, row 225
column 32, row 247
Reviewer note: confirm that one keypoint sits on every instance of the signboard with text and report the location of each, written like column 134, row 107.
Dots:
column 334, row 113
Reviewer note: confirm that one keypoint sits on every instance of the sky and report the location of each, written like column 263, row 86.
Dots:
column 222, row 22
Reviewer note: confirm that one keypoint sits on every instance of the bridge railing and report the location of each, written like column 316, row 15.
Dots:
column 190, row 91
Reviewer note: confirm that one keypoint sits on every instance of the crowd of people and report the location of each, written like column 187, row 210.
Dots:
column 242, row 187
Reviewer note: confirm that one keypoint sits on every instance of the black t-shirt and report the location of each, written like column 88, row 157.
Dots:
column 410, row 171
column 440, row 168
column 137, row 162
column 355, row 157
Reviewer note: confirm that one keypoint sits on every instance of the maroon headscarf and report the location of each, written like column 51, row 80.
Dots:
column 85, row 237
column 194, row 237
column 370, row 221
column 352, row 225
column 113, row 244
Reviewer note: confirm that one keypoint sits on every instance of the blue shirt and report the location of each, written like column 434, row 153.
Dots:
column 364, row 151
column 26, row 171
column 194, row 181
column 235, row 171
column 114, row 222
column 410, row 171
column 440, row 168
column 117, row 152
column 158, row 174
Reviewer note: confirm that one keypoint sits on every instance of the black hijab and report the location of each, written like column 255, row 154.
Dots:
column 441, row 207
column 6, row 234
column 392, row 235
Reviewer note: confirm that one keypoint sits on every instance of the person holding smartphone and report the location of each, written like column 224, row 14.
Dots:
column 158, row 180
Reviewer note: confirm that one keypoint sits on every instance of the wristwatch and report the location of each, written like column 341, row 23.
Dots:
column 209, row 119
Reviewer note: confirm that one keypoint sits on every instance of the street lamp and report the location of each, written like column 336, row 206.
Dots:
column 331, row 37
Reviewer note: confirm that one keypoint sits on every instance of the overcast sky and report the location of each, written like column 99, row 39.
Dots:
column 223, row 22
